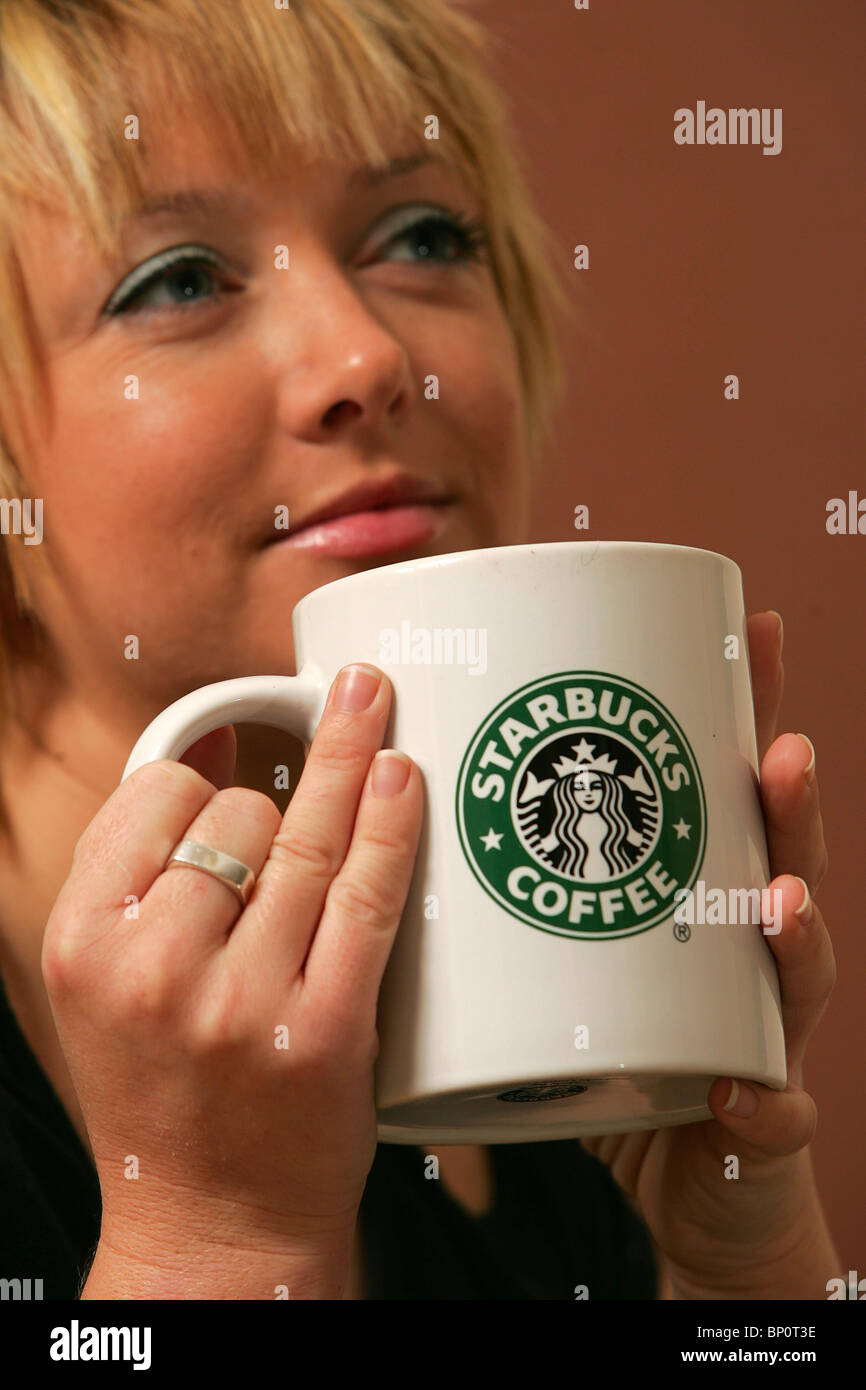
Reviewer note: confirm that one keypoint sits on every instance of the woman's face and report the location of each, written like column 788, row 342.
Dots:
column 587, row 790
column 178, row 429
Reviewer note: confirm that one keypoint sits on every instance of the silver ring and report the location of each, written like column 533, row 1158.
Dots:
column 239, row 877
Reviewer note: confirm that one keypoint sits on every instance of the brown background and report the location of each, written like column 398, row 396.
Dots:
column 706, row 261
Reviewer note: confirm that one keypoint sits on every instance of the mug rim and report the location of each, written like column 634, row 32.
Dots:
column 423, row 561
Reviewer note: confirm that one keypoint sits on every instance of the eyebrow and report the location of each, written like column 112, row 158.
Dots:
column 401, row 164
column 189, row 200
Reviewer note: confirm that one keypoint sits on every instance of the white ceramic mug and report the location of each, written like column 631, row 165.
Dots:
column 582, row 717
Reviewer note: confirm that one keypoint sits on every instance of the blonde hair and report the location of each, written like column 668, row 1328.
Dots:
column 327, row 75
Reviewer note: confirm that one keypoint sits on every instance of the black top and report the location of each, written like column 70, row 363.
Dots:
column 558, row 1218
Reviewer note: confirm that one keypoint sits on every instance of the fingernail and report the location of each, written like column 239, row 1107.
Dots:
column 390, row 772
column 809, row 769
column 804, row 911
column 781, row 627
column 742, row 1101
column 356, row 688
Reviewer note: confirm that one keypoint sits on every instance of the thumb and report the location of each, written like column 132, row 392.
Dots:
column 214, row 756
column 775, row 1123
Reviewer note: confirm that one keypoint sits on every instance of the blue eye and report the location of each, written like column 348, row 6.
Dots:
column 466, row 235
column 181, row 268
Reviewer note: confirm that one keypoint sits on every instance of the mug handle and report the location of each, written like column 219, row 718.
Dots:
column 293, row 703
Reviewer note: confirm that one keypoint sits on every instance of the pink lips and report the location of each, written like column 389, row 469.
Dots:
column 371, row 532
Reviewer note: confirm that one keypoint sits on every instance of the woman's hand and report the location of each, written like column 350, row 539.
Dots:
column 763, row 1229
column 224, row 1057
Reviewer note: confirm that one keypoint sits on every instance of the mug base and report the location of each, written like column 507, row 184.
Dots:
column 558, row 1108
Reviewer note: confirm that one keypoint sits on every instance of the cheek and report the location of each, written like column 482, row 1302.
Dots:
column 476, row 427
column 482, row 379
column 120, row 466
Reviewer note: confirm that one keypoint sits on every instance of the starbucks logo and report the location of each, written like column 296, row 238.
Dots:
column 581, row 810
column 580, row 807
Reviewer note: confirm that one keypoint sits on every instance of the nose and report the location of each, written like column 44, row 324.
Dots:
column 346, row 371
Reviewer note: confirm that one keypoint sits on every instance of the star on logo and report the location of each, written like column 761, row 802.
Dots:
column 584, row 750
column 682, row 829
column 583, row 761
column 491, row 839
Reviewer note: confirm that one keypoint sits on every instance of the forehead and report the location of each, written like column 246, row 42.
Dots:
column 183, row 140
column 187, row 143
column 211, row 158
column 202, row 150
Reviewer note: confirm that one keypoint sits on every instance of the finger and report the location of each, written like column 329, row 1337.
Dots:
column 214, row 756
column 623, row 1154
column 189, row 911
column 350, row 950
column 779, row 1123
column 312, row 841
column 806, row 962
column 124, row 848
column 792, row 812
column 765, row 662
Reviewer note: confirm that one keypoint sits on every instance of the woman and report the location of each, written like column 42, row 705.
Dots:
column 239, row 244
column 590, row 825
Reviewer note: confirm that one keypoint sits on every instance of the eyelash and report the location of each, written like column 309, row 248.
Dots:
column 469, row 232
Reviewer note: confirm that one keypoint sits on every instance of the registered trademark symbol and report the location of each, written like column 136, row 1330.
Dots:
column 682, row 931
